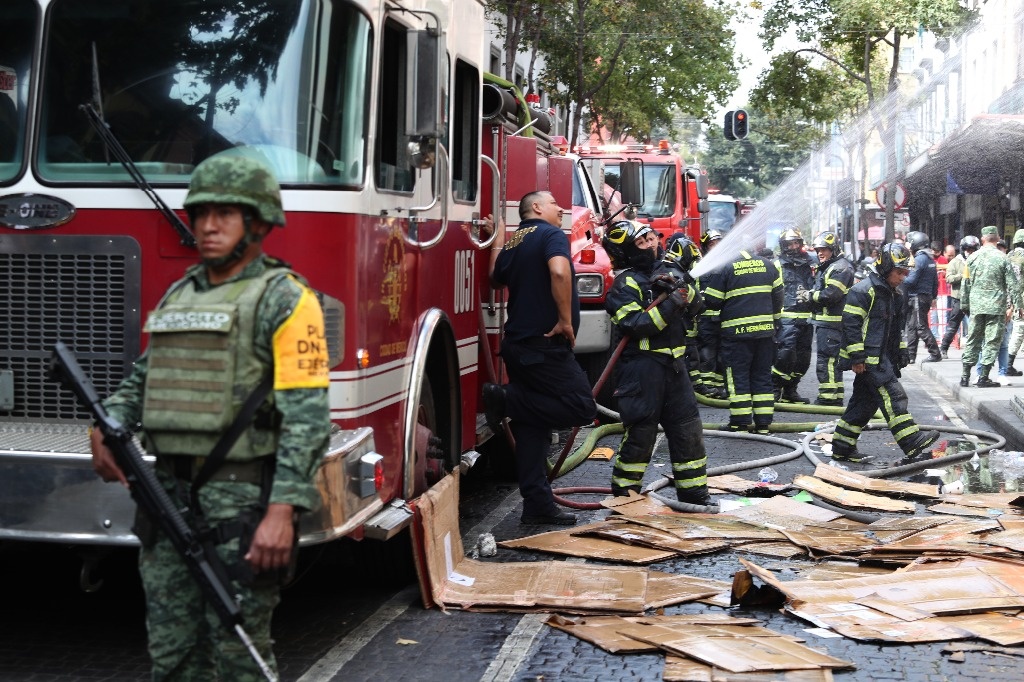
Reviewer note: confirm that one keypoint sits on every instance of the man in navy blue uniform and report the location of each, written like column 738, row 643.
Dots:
column 547, row 388
column 921, row 287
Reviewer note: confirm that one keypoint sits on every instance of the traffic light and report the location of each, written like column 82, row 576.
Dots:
column 727, row 128
column 739, row 124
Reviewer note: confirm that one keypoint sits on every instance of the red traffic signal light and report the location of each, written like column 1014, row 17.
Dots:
column 739, row 124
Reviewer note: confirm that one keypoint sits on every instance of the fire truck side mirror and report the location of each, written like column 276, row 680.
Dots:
column 703, row 206
column 423, row 85
column 629, row 182
column 701, row 181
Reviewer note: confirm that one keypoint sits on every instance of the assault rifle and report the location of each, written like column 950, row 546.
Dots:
column 206, row 567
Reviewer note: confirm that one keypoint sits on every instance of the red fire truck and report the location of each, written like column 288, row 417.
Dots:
column 673, row 198
column 369, row 113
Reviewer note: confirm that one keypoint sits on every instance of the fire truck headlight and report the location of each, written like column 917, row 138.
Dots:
column 589, row 285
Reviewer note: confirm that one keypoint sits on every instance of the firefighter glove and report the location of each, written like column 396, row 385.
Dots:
column 904, row 357
column 665, row 283
column 680, row 297
column 803, row 296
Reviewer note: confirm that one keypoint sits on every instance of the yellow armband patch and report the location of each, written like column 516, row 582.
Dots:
column 300, row 347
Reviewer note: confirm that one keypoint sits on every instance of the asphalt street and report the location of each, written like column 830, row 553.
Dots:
column 348, row 619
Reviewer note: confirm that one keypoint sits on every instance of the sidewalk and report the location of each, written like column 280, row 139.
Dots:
column 1001, row 408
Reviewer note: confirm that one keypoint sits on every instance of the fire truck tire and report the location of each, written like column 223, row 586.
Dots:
column 429, row 468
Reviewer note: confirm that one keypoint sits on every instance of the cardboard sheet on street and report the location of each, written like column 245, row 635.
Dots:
column 829, row 542
column 739, row 653
column 715, row 526
column 964, row 510
column 459, row 582
column 956, row 535
column 1011, row 539
column 611, row 633
column 645, row 536
column 636, row 505
column 784, row 512
column 778, row 550
column 679, row 669
column 855, row 481
column 940, row 590
column 731, row 483
column 572, row 543
column 666, row 589
column 851, row 499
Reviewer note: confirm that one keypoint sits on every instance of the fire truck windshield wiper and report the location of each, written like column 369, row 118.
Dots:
column 121, row 154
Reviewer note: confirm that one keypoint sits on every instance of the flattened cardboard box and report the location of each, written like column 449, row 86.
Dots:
column 459, row 582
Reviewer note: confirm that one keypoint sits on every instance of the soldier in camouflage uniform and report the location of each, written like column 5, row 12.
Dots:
column 989, row 282
column 1017, row 336
column 237, row 320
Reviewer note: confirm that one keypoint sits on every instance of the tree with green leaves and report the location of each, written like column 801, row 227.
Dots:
column 849, row 61
column 633, row 65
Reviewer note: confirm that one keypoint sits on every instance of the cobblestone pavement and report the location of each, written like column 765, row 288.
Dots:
column 344, row 621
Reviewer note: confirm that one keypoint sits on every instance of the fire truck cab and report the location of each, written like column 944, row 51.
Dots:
column 672, row 198
column 369, row 113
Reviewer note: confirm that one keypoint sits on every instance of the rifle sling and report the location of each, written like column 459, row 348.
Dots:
column 228, row 438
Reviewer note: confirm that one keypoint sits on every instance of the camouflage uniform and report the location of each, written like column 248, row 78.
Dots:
column 187, row 641
column 1017, row 261
column 988, row 281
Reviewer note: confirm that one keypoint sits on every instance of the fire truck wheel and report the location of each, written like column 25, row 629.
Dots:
column 430, row 459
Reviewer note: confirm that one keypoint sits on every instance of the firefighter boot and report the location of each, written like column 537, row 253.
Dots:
column 983, row 380
column 789, row 394
column 685, row 473
column 920, row 446
column 944, row 352
column 1010, row 371
column 965, row 377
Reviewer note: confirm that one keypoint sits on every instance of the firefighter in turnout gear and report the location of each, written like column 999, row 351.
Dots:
column 747, row 293
column 826, row 300
column 989, row 284
column 680, row 256
column 793, row 342
column 238, row 326
column 920, row 289
column 709, row 338
column 652, row 383
column 874, row 348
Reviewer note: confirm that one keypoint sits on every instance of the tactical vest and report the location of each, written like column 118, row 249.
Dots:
column 202, row 367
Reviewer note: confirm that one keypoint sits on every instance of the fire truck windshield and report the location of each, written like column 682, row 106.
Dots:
column 179, row 80
column 723, row 215
column 659, row 188
column 18, row 17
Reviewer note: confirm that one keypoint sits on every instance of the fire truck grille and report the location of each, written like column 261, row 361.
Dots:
column 83, row 291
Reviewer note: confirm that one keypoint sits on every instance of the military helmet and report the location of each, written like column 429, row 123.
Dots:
column 790, row 241
column 1018, row 237
column 970, row 243
column 230, row 179
column 916, row 241
column 894, row 255
column 620, row 242
column 710, row 237
column 828, row 240
column 681, row 250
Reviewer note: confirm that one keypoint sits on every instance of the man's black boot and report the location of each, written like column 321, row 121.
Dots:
column 944, row 352
column 1010, row 371
column 965, row 378
column 790, row 395
column 983, row 380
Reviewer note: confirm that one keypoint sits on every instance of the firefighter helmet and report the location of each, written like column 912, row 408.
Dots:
column 231, row 179
column 970, row 243
column 620, row 243
column 682, row 251
column 1018, row 237
column 709, row 238
column 894, row 255
column 828, row 240
column 790, row 241
column 916, row 241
